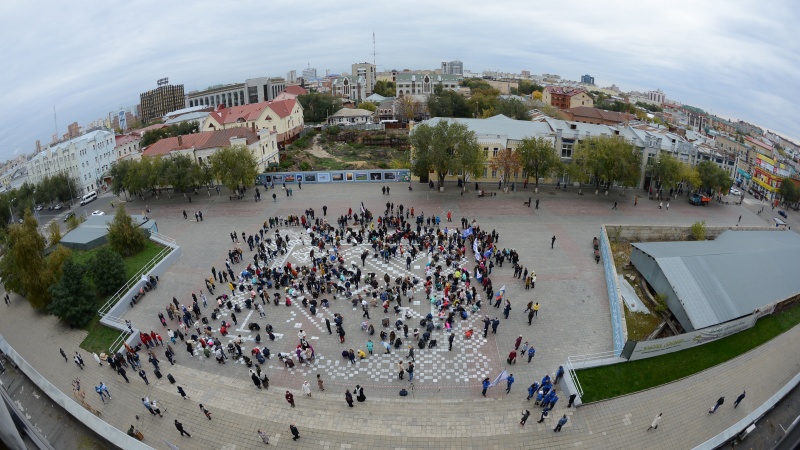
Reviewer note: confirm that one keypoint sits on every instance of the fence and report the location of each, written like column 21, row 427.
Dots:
column 617, row 319
column 584, row 361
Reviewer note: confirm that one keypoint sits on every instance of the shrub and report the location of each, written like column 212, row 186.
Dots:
column 699, row 230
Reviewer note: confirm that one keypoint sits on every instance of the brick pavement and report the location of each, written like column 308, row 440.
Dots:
column 574, row 319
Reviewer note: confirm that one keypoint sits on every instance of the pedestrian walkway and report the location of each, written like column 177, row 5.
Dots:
column 428, row 416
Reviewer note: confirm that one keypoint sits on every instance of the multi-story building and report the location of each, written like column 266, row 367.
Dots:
column 565, row 97
column 200, row 146
column 656, row 96
column 596, row 116
column 85, row 159
column 587, row 79
column 291, row 76
column 453, row 68
column 127, row 146
column 284, row 117
column 367, row 72
column 352, row 88
column 253, row 90
column 159, row 101
column 414, row 83
column 309, row 73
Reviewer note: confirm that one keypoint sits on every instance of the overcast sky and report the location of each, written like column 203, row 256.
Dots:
column 737, row 59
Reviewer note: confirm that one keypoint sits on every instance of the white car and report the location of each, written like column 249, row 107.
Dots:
column 98, row 213
column 735, row 191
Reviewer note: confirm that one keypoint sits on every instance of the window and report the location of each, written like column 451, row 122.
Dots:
column 494, row 153
column 484, row 172
column 494, row 173
column 566, row 150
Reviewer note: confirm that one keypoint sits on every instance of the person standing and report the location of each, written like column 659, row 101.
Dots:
column 146, row 404
column 63, row 354
column 719, row 403
column 509, row 382
column 179, row 426
column 348, row 397
column 295, row 432
column 552, row 241
column 121, row 371
column 571, row 400
column 531, row 354
column 485, row 383
column 78, row 360
column 530, row 316
column 410, row 371
column 290, row 398
column 205, row 411
column 543, row 416
column 320, row 383
column 656, row 421
column 263, row 436
column 328, row 325
column 559, row 374
column 155, row 407
column 561, row 422
column 615, row 206
column 306, row 388
column 536, row 309
column 738, row 400
column 525, row 414
column 143, row 374
column 450, row 340
column 400, row 370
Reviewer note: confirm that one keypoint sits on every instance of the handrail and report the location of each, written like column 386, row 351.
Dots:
column 114, row 299
column 572, row 361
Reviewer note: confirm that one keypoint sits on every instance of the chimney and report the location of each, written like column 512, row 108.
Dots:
column 180, row 141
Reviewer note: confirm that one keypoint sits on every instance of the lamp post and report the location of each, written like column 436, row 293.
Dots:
column 10, row 211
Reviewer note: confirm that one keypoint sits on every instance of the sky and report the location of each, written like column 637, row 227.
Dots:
column 735, row 59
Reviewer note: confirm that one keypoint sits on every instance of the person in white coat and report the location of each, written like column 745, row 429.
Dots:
column 656, row 421
column 306, row 388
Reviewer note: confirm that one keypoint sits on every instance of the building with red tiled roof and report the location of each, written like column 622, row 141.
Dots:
column 295, row 89
column 283, row 117
column 127, row 146
column 200, row 146
column 596, row 116
column 565, row 97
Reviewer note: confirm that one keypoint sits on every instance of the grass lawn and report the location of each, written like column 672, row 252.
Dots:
column 101, row 337
column 602, row 383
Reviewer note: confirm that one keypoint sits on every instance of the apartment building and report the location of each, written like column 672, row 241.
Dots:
column 162, row 100
column 253, row 90
column 284, row 117
column 565, row 97
column 86, row 159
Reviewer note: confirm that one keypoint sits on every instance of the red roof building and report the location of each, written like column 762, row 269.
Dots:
column 283, row 117
column 596, row 116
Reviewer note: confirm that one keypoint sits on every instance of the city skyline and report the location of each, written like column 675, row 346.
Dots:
column 735, row 62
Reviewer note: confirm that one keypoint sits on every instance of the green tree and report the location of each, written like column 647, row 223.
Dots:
column 56, row 260
column 447, row 103
column 369, row 106
column 445, row 147
column 385, row 88
column 690, row 176
column 713, row 178
column 538, row 158
column 54, row 232
column 70, row 300
column 789, row 192
column 23, row 268
column 234, row 166
column 178, row 171
column 123, row 235
column 119, row 173
column 107, row 271
column 317, row 107
column 667, row 170
column 527, row 87
column 513, row 108
column 73, row 222
column 607, row 159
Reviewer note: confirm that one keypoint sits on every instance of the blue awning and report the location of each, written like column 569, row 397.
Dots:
column 743, row 173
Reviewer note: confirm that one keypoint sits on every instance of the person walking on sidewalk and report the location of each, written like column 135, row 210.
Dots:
column 525, row 414
column 306, row 388
column 63, row 354
column 543, row 416
column 348, row 397
column 509, row 382
column 656, row 421
column 263, row 436
column 320, row 383
column 78, row 360
column 295, row 432
column 179, row 426
column 561, row 422
column 205, row 411
column 719, row 403
column 146, row 404
column 739, row 399
column 290, row 398
column 182, row 392
column 485, row 383
column 143, row 374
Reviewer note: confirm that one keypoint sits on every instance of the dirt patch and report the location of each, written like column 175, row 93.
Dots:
column 318, row 151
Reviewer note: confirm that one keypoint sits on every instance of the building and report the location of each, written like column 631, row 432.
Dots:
column 85, row 159
column 309, row 73
column 284, row 117
column 413, row 83
column 587, row 79
column 453, row 68
column 127, row 146
column 162, row 100
column 73, row 130
column 585, row 114
column 347, row 116
column 291, row 76
column 199, row 146
column 367, row 72
column 564, row 97
column 352, row 88
column 712, row 282
column 253, row 90
column 656, row 96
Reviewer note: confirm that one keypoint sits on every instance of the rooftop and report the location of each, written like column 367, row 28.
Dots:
column 198, row 141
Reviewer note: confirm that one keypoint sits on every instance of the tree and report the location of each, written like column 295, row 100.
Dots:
column 447, row 103
column 119, row 174
column 23, row 268
column 445, row 147
column 54, row 232
column 56, row 260
column 538, row 158
column 317, row 107
column 789, row 192
column 234, row 166
column 107, row 271
column 408, row 108
column 666, row 170
column 385, row 88
column 507, row 162
column 178, row 171
column 70, row 302
column 123, row 235
column 690, row 176
column 607, row 159
column 179, row 129
column 513, row 108
column 369, row 106
column 73, row 222
column 712, row 177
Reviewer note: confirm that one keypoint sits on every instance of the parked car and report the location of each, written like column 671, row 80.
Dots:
column 698, row 199
column 69, row 214
column 39, row 207
column 57, row 206
column 98, row 213
column 782, row 214
column 735, row 191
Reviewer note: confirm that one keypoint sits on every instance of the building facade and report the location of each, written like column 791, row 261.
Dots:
column 126, row 146
column 587, row 79
column 367, row 72
column 85, row 159
column 160, row 101
column 291, row 76
column 347, row 116
column 253, row 90
column 565, row 97
column 656, row 96
column 283, row 117
column 453, row 68
column 352, row 88
column 410, row 83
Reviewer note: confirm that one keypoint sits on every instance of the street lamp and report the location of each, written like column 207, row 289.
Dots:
column 10, row 211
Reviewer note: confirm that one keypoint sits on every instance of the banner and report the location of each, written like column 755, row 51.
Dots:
column 475, row 250
column 467, row 232
column 500, row 378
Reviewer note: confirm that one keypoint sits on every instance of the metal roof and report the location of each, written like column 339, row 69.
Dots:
column 731, row 276
column 499, row 126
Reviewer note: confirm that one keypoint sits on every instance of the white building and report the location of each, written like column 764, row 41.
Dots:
column 353, row 88
column 453, row 68
column 85, row 159
column 347, row 116
column 367, row 72
column 656, row 96
column 253, row 90
column 291, row 76
column 423, row 84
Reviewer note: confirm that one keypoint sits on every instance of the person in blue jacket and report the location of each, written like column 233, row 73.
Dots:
column 485, row 384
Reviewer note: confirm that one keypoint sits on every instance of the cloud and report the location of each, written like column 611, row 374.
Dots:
column 88, row 58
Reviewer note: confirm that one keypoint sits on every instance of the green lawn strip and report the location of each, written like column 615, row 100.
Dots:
column 100, row 337
column 602, row 383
